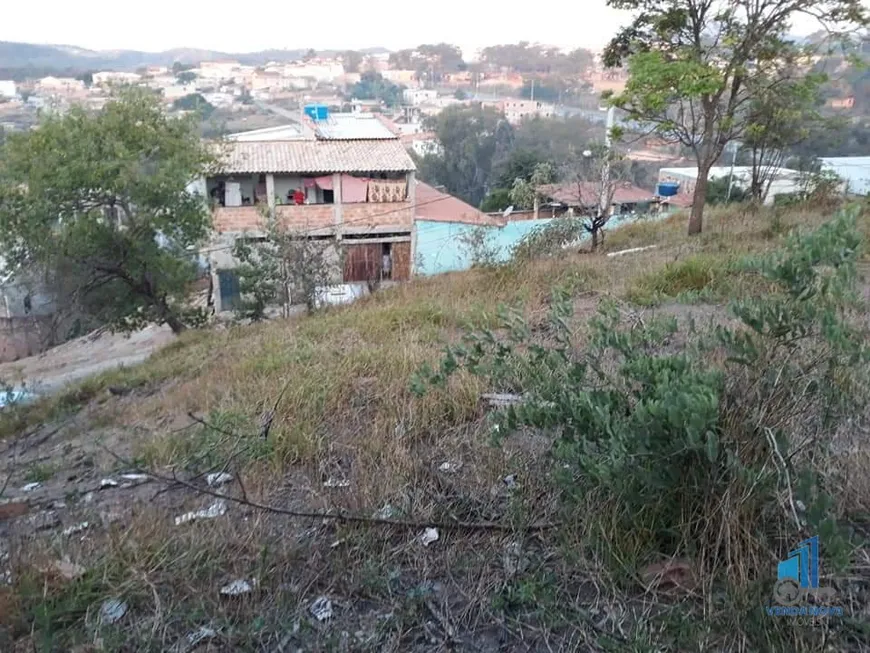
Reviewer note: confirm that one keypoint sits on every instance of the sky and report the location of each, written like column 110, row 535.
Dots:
column 245, row 27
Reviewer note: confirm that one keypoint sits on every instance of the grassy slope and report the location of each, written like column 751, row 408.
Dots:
column 348, row 413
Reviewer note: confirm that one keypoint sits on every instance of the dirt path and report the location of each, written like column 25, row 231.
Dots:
column 77, row 359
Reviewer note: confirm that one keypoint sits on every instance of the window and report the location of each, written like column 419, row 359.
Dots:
column 228, row 281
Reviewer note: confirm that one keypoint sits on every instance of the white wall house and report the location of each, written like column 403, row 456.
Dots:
column 8, row 89
column 853, row 170
column 785, row 181
column 417, row 96
column 115, row 77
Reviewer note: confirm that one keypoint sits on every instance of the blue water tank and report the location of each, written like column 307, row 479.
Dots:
column 668, row 189
column 317, row 112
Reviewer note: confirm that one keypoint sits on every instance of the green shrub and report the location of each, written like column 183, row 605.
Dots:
column 691, row 275
column 703, row 452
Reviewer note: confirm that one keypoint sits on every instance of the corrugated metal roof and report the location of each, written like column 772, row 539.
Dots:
column 282, row 133
column 314, row 156
column 352, row 126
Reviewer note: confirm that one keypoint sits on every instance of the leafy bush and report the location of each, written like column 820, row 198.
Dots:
column 703, row 452
column 480, row 247
column 548, row 239
column 692, row 274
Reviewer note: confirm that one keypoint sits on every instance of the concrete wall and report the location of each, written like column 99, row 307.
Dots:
column 439, row 248
column 23, row 336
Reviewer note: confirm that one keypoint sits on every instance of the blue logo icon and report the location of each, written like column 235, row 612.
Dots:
column 797, row 580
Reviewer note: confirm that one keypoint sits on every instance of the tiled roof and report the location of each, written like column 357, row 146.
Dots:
column 625, row 193
column 436, row 206
column 313, row 156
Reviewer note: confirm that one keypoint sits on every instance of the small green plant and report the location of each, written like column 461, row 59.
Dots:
column 480, row 247
column 549, row 239
column 671, row 447
column 39, row 473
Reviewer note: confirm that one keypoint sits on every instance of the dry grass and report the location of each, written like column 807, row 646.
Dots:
column 349, row 413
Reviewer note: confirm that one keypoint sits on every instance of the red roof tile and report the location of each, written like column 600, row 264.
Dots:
column 436, row 206
column 587, row 192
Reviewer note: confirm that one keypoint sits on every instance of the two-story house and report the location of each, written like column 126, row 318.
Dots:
column 342, row 178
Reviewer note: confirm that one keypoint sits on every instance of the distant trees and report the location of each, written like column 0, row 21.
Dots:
column 351, row 60
column 194, row 102
column 373, row 86
column 472, row 140
column 103, row 196
column 185, row 77
column 695, row 64
column 526, row 58
column 87, row 78
column 430, row 61
column 483, row 154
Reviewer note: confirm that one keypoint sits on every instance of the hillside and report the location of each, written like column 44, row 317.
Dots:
column 344, row 452
column 28, row 56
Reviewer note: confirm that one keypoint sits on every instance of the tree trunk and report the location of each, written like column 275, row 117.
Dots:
column 174, row 323
column 169, row 317
column 594, row 238
column 699, row 199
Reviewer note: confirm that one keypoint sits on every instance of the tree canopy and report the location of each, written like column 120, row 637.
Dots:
column 472, row 140
column 694, row 65
column 104, row 197
column 373, row 86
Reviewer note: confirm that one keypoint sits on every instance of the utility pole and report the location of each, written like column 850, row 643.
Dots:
column 734, row 147
column 604, row 199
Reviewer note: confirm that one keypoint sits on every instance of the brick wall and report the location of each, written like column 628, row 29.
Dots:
column 391, row 214
column 307, row 216
column 237, row 218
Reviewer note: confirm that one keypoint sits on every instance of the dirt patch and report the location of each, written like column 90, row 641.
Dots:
column 78, row 359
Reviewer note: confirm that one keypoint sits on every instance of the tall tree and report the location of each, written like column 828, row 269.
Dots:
column 693, row 64
column 105, row 195
column 471, row 138
column 779, row 117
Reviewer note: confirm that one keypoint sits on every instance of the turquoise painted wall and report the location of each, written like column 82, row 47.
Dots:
column 439, row 248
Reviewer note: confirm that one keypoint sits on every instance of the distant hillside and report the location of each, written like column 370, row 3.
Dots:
column 19, row 60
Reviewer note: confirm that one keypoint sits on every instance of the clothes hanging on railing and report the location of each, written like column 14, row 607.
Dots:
column 382, row 190
column 353, row 189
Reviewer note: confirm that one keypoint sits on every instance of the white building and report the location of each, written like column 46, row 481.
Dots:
column 115, row 77
column 785, row 181
column 417, row 96
column 853, row 170
column 7, row 89
column 60, row 85
column 178, row 91
column 217, row 70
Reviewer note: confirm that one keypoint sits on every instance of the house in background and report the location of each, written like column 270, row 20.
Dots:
column 853, row 170
column 580, row 199
column 8, row 89
column 785, row 181
column 343, row 179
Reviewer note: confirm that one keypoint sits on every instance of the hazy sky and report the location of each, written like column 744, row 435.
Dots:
column 247, row 26
column 155, row 25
